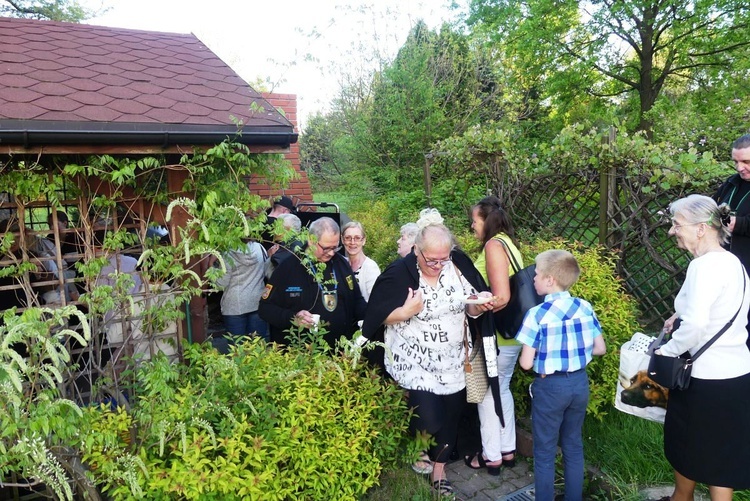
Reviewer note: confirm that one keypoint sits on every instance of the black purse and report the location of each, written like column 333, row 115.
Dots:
column 674, row 372
column 523, row 297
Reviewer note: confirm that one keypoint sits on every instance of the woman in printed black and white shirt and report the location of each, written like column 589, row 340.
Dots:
column 419, row 301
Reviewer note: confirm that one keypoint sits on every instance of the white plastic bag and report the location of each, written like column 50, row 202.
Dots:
column 637, row 394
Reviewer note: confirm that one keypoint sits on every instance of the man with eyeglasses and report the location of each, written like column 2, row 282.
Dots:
column 293, row 296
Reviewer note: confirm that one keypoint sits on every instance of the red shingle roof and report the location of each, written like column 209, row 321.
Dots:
column 65, row 77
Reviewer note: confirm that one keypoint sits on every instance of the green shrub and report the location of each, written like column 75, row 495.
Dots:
column 36, row 423
column 617, row 313
column 260, row 423
column 382, row 232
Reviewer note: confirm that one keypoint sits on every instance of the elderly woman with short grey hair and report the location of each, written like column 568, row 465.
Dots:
column 420, row 305
column 707, row 426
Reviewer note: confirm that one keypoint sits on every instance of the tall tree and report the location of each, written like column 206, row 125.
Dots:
column 617, row 48
column 52, row 10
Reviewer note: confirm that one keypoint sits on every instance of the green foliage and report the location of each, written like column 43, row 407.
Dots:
column 564, row 50
column 35, row 421
column 260, row 423
column 381, row 232
column 52, row 10
column 616, row 311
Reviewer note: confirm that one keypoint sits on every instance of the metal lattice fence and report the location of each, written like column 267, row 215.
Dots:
column 611, row 209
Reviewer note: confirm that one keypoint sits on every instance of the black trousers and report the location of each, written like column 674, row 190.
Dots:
column 439, row 416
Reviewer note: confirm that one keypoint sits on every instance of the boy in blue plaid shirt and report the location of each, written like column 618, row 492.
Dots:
column 559, row 338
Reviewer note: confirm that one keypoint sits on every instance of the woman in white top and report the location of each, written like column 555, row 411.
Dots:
column 707, row 426
column 365, row 269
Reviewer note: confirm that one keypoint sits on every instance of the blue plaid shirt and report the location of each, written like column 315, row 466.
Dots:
column 562, row 331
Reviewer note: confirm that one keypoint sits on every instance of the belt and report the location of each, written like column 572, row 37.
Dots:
column 560, row 373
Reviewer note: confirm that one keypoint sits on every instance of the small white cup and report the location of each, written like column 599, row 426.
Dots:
column 315, row 322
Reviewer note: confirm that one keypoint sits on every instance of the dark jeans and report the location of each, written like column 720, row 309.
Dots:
column 558, row 406
column 439, row 416
column 246, row 324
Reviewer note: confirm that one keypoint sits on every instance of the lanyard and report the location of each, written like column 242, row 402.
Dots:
column 731, row 197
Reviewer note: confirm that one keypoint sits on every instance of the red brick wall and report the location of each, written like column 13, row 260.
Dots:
column 299, row 190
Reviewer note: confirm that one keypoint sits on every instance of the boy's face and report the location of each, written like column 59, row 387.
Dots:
column 542, row 282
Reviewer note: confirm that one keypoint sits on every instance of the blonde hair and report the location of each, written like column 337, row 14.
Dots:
column 353, row 224
column 560, row 265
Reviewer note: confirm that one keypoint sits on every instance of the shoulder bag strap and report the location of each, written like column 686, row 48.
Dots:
column 724, row 329
column 467, row 365
column 510, row 255
column 655, row 345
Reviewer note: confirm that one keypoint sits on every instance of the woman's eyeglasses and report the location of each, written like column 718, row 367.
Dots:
column 355, row 239
column 434, row 263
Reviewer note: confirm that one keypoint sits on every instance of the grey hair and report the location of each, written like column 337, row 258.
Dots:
column 741, row 142
column 702, row 209
column 290, row 221
column 432, row 231
column 324, row 225
column 353, row 224
column 410, row 230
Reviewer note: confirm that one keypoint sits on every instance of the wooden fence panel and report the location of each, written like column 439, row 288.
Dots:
column 568, row 205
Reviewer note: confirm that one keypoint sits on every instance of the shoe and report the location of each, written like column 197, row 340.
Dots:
column 423, row 465
column 444, row 489
column 509, row 463
column 491, row 469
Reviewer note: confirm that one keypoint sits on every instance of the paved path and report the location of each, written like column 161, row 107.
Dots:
column 478, row 485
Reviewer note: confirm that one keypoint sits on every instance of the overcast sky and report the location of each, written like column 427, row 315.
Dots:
column 293, row 45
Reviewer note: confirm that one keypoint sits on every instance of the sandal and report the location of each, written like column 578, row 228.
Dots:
column 423, row 465
column 509, row 463
column 493, row 470
column 444, row 489
column 469, row 460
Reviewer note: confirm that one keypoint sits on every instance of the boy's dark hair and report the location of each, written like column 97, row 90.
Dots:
column 560, row 265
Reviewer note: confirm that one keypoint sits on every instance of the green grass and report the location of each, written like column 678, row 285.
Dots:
column 401, row 484
column 629, row 453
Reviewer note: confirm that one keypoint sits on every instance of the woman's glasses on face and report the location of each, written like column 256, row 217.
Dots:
column 355, row 239
column 434, row 263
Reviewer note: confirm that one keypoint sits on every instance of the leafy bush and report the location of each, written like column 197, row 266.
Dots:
column 36, row 422
column 617, row 313
column 259, row 423
column 382, row 233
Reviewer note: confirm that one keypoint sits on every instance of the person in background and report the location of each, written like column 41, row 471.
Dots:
column 406, row 240
column 46, row 248
column 117, row 264
column 559, row 338
column 243, row 285
column 419, row 303
column 493, row 228
column 282, row 205
column 13, row 293
column 293, row 296
column 285, row 246
column 707, row 426
column 365, row 269
column 734, row 192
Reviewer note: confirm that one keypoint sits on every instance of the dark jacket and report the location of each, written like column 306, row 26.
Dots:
column 293, row 288
column 736, row 193
column 389, row 293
